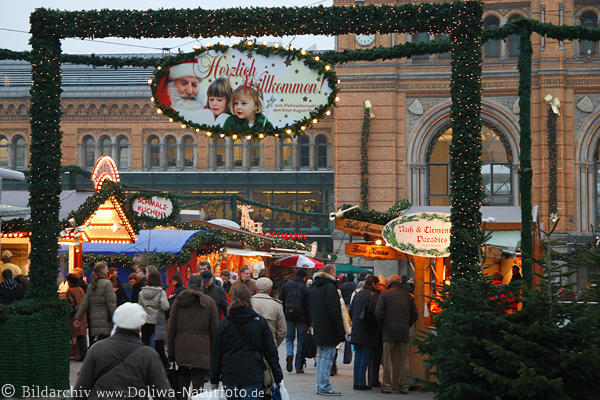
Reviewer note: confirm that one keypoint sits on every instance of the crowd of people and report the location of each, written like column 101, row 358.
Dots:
column 12, row 282
column 207, row 334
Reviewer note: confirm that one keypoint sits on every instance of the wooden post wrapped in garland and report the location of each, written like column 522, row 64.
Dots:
column 525, row 171
column 553, row 104
column 46, row 155
column 364, row 159
column 466, row 191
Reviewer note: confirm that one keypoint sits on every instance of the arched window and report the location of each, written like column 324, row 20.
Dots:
column 105, row 146
column 153, row 152
column 220, row 152
column 590, row 20
column 171, row 152
column 3, row 152
column 20, row 152
column 237, row 150
column 254, row 153
column 304, row 150
column 188, row 152
column 287, row 146
column 420, row 37
column 513, row 41
column 89, row 152
column 322, row 150
column 492, row 47
column 496, row 170
column 123, row 152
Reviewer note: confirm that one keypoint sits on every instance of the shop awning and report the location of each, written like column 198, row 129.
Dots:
column 508, row 241
column 13, row 211
column 159, row 240
column 247, row 253
column 345, row 268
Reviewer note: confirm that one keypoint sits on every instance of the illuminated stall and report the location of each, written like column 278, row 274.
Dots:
column 421, row 235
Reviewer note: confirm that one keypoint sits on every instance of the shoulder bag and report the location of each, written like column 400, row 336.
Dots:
column 268, row 380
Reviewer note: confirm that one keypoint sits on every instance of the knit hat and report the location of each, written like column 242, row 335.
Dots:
column 301, row 272
column 129, row 316
column 264, row 284
column 6, row 255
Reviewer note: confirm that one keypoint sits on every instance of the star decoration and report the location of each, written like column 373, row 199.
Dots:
column 304, row 98
column 270, row 102
column 249, row 54
column 288, row 62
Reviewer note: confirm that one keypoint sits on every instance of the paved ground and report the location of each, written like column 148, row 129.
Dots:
column 302, row 386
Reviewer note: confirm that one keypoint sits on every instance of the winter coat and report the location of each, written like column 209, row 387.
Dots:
column 153, row 299
column 396, row 312
column 250, row 283
column 176, row 290
column 364, row 324
column 234, row 362
column 160, row 329
column 325, row 312
column 75, row 294
column 272, row 311
column 135, row 291
column 192, row 326
column 220, row 298
column 100, row 305
column 121, row 294
column 345, row 315
column 347, row 289
column 141, row 370
column 285, row 291
column 10, row 291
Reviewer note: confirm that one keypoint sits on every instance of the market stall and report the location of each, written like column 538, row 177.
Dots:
column 421, row 235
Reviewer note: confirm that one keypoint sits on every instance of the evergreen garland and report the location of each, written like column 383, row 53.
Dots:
column 364, row 160
column 525, row 171
column 552, row 161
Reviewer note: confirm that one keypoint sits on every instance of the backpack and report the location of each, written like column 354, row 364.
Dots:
column 294, row 307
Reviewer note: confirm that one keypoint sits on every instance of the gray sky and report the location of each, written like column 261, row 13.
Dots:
column 14, row 15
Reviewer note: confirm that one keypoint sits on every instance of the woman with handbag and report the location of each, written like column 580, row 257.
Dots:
column 75, row 295
column 242, row 349
column 154, row 299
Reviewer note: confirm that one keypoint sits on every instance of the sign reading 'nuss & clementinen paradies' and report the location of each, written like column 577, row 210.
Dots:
column 247, row 89
column 420, row 234
column 367, row 250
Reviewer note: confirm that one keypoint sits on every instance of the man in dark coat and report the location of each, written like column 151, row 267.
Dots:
column 10, row 290
column 297, row 317
column 395, row 312
column 365, row 332
column 215, row 292
column 328, row 327
column 192, row 326
column 137, row 375
column 347, row 288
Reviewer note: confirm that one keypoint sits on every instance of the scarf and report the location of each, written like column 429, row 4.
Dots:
column 9, row 284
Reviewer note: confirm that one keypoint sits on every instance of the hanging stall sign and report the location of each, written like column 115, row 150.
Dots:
column 358, row 228
column 246, row 89
column 368, row 250
column 420, row 234
column 154, row 207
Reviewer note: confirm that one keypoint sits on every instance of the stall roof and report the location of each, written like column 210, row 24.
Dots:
column 13, row 211
column 159, row 240
column 247, row 252
column 499, row 213
column 70, row 200
column 345, row 268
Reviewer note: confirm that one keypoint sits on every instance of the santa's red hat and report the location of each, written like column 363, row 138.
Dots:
column 188, row 68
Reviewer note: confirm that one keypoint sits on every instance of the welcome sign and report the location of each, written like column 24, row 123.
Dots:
column 420, row 234
column 244, row 89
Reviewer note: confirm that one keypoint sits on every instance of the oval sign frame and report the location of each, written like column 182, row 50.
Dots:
column 324, row 86
column 405, row 234
column 158, row 207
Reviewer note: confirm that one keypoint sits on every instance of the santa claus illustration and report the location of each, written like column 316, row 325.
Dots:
column 180, row 90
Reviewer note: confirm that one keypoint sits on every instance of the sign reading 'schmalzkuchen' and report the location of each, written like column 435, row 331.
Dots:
column 154, row 207
column 420, row 234
column 246, row 89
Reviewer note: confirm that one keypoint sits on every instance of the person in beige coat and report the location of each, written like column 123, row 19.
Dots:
column 270, row 309
column 154, row 300
column 100, row 303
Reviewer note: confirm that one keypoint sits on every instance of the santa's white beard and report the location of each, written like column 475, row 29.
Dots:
column 179, row 104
